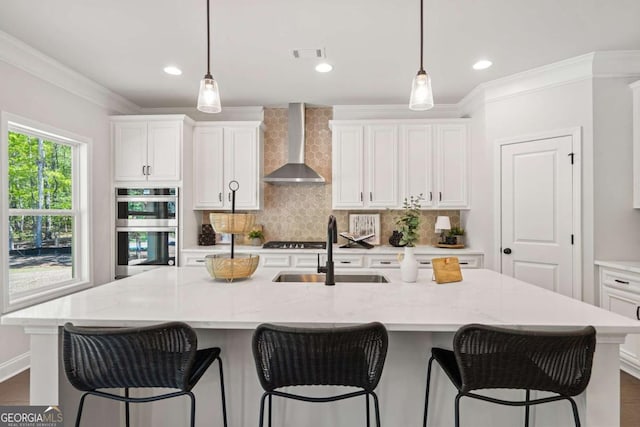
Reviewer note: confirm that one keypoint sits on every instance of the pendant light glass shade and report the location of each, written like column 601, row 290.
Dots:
column 209, row 97
column 421, row 93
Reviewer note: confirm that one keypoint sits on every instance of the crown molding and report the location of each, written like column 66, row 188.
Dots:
column 374, row 112
column 20, row 55
column 635, row 85
column 228, row 114
column 602, row 64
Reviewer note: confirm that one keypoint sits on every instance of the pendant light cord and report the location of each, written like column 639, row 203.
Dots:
column 421, row 33
column 208, row 43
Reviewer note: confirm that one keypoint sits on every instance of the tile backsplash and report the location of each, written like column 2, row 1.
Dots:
column 300, row 211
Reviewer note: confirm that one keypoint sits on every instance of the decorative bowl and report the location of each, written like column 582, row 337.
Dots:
column 222, row 266
column 234, row 223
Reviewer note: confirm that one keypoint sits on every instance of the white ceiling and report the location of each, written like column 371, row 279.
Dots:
column 372, row 44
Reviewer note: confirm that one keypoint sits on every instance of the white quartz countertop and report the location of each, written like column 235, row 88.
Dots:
column 376, row 250
column 188, row 294
column 631, row 266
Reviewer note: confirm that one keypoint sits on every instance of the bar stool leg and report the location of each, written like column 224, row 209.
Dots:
column 526, row 408
column 261, row 423
column 127, row 416
column 193, row 409
column 457, row 419
column 224, row 401
column 270, row 396
column 426, row 397
column 377, row 408
column 576, row 416
column 80, row 406
column 366, row 396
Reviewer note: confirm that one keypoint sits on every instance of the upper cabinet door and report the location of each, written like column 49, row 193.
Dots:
column 451, row 166
column 382, row 166
column 164, row 151
column 417, row 157
column 130, row 151
column 241, row 163
column 348, row 166
column 208, row 172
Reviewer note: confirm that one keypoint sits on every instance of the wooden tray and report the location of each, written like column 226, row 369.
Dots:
column 442, row 245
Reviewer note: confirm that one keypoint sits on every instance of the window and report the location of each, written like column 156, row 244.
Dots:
column 45, row 215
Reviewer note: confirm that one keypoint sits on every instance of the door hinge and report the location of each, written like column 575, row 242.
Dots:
column 572, row 239
column 571, row 155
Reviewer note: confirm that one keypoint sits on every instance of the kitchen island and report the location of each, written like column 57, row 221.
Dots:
column 418, row 316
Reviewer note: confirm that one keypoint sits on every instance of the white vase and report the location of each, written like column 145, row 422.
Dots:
column 408, row 265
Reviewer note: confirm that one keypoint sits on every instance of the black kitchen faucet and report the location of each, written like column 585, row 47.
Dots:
column 332, row 237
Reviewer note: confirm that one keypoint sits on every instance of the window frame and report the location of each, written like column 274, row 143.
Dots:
column 80, row 211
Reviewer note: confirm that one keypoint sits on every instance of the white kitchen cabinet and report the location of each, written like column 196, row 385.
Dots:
column 635, row 88
column 435, row 163
column 378, row 163
column 148, row 148
column 620, row 293
column 365, row 166
column 424, row 260
column 451, row 167
column 225, row 152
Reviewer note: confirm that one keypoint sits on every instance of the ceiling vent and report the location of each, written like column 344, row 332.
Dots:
column 308, row 53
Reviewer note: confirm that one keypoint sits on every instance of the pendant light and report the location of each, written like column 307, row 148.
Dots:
column 208, row 97
column 421, row 93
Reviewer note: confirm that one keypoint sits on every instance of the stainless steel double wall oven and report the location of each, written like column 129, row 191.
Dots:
column 146, row 229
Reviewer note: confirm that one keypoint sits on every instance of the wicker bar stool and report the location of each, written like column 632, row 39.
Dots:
column 348, row 356
column 486, row 357
column 164, row 355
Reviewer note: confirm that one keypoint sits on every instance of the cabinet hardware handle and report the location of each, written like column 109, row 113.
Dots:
column 430, row 196
column 143, row 170
column 361, row 196
column 345, row 262
column 220, row 196
column 621, row 281
column 199, row 260
column 370, row 196
column 463, row 263
column 638, row 312
column 425, row 262
column 229, row 197
column 385, row 262
column 440, row 195
column 148, row 170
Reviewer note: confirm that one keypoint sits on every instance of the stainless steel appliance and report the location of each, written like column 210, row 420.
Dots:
column 294, row 245
column 146, row 229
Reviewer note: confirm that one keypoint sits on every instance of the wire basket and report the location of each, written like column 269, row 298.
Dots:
column 222, row 266
column 234, row 223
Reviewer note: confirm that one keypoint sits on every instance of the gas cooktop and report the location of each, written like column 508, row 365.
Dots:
column 294, row 245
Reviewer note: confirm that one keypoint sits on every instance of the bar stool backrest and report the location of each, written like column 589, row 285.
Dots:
column 491, row 357
column 154, row 356
column 349, row 356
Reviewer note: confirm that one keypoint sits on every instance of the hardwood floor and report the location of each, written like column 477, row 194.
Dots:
column 15, row 391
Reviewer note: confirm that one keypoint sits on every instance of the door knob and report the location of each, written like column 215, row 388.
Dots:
column 507, row 251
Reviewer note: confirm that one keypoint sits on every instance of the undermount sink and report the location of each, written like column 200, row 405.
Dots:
column 339, row 278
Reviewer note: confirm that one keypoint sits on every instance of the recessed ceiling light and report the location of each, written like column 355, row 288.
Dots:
column 174, row 71
column 323, row 67
column 482, row 64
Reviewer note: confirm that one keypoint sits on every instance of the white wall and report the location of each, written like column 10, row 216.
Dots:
column 553, row 108
column 25, row 95
column 617, row 224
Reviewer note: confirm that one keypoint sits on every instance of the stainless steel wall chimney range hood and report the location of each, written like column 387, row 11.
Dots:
column 295, row 171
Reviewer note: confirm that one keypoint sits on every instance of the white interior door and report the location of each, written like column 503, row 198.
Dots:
column 537, row 213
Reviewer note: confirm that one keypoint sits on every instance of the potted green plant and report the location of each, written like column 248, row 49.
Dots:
column 457, row 235
column 256, row 237
column 408, row 223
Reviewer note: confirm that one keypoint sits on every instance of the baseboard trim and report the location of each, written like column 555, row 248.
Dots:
column 14, row 366
column 629, row 368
